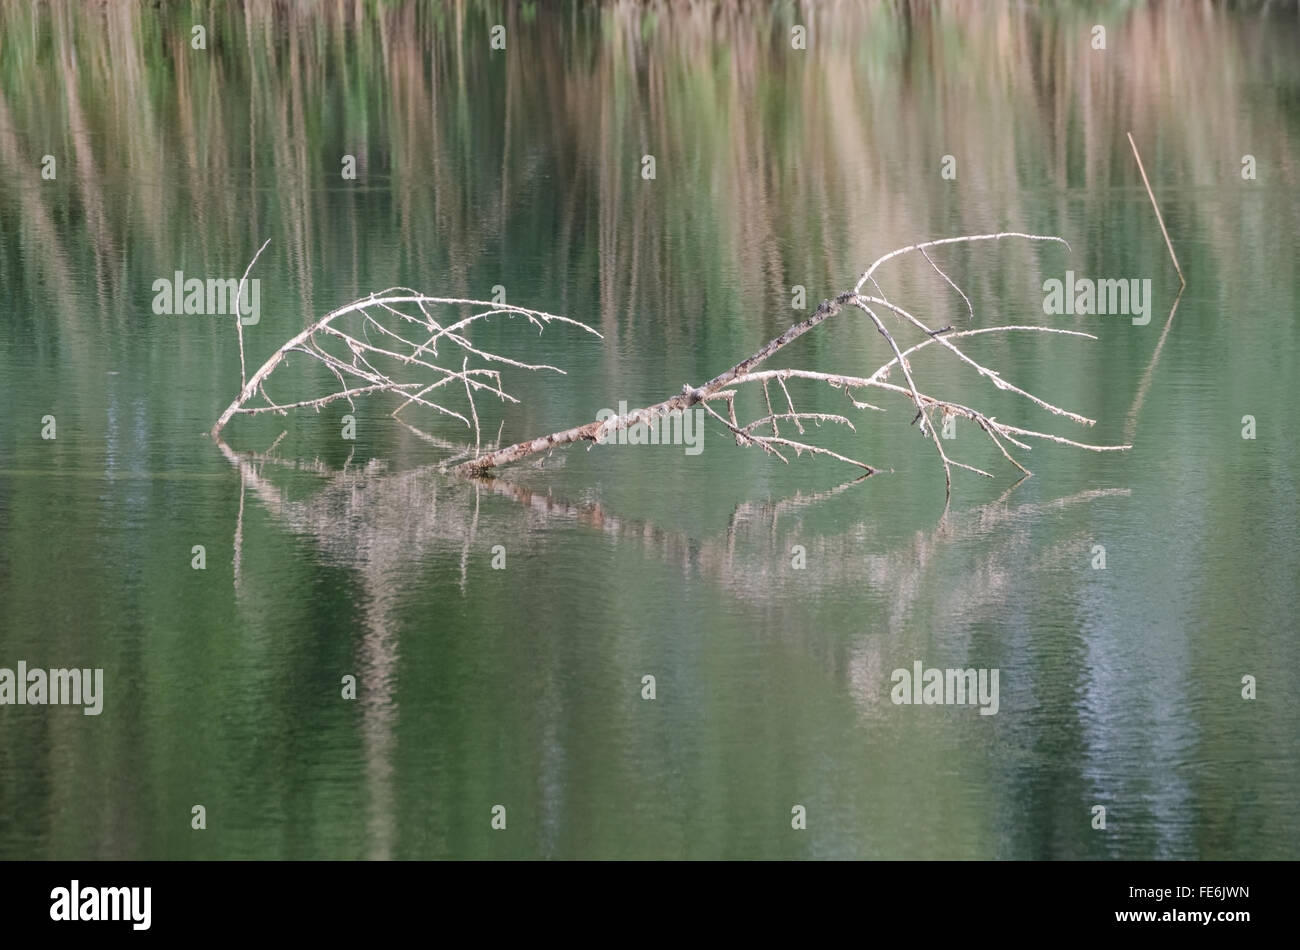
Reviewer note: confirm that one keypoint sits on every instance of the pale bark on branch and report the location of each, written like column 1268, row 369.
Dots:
column 363, row 367
column 924, row 404
column 346, row 350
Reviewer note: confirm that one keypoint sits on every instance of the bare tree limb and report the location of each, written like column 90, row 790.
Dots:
column 404, row 355
column 387, row 369
column 239, row 316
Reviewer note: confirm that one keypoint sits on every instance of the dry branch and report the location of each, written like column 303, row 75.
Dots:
column 347, row 351
column 374, row 369
column 924, row 404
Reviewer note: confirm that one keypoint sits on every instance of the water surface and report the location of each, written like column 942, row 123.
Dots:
column 522, row 687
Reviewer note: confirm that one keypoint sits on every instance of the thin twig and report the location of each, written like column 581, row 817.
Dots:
column 239, row 316
column 1159, row 217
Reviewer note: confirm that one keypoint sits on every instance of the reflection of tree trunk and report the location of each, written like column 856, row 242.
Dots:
column 44, row 236
column 102, row 243
column 372, row 520
column 376, row 669
column 376, row 685
column 380, row 523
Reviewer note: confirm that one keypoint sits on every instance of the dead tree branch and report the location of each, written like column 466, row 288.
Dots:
column 340, row 341
column 362, row 368
column 924, row 404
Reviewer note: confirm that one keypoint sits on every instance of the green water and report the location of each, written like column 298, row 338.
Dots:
column 522, row 687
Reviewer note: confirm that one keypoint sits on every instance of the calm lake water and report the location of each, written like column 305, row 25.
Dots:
column 774, row 167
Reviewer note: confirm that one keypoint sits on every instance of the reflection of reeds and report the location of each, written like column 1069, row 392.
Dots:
column 774, row 166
